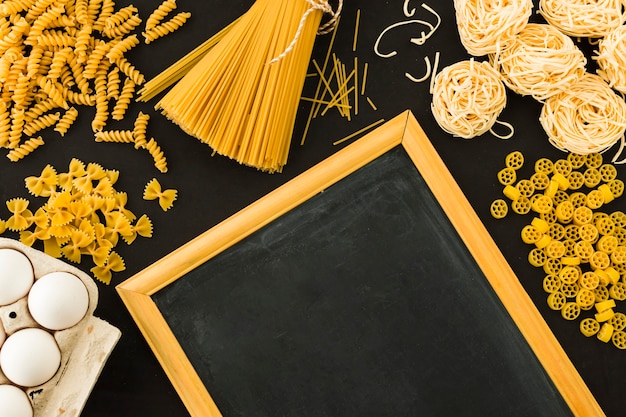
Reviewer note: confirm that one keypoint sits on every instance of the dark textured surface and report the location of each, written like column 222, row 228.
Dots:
column 212, row 188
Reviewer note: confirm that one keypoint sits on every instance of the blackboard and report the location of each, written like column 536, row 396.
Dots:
column 365, row 286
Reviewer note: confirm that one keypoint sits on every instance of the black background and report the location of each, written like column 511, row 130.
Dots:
column 211, row 188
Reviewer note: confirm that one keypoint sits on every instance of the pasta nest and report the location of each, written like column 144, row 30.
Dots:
column 612, row 59
column 583, row 18
column 468, row 97
column 540, row 62
column 588, row 118
column 487, row 26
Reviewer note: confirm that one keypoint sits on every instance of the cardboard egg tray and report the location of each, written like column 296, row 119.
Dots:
column 84, row 347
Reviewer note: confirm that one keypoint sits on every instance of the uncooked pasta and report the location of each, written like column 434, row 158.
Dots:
column 241, row 98
column 583, row 18
column 468, row 97
column 540, row 62
column 488, row 26
column 612, row 59
column 587, row 118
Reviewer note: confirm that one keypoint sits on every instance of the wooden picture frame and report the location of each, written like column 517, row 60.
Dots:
column 403, row 130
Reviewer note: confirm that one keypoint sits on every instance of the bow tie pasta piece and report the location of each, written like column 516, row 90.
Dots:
column 166, row 198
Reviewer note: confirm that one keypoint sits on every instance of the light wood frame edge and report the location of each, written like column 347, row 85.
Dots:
column 404, row 129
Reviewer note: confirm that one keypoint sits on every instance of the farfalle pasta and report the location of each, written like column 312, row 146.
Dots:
column 84, row 216
column 154, row 191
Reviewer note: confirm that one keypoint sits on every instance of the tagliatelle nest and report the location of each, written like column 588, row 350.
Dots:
column 468, row 97
column 540, row 62
column 487, row 26
column 587, row 118
column 583, row 18
column 612, row 59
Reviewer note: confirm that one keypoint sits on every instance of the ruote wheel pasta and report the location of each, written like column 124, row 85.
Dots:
column 540, row 62
column 589, row 117
column 488, row 26
column 468, row 97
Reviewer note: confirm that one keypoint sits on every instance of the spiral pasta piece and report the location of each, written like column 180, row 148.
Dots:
column 121, row 105
column 55, row 38
column 467, row 99
column 25, row 149
column 113, row 83
column 54, row 92
column 102, row 102
column 587, row 118
column 159, row 13
column 157, row 154
column 130, row 71
column 165, row 28
column 66, row 121
column 14, row 6
column 123, row 28
column 122, row 47
column 488, row 26
column 41, row 123
column 583, row 18
column 119, row 136
column 139, row 129
column 540, row 62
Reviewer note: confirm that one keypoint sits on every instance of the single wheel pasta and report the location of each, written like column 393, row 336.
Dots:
column 468, row 97
column 540, row 62
column 488, row 26
column 589, row 117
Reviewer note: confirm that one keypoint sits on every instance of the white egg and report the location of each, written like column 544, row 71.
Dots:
column 16, row 276
column 58, row 300
column 14, row 402
column 30, row 357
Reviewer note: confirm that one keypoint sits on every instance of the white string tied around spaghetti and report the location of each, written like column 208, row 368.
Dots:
column 327, row 27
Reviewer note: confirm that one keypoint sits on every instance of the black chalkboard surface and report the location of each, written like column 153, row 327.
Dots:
column 361, row 301
column 369, row 292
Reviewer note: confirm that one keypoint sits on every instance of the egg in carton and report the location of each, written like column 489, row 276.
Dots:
column 52, row 347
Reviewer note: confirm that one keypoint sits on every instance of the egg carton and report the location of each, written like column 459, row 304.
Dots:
column 85, row 347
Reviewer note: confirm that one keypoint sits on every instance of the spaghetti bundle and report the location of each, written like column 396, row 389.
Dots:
column 468, row 97
column 241, row 98
column 589, row 117
column 541, row 62
column 487, row 26
column 583, row 18
column 612, row 59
